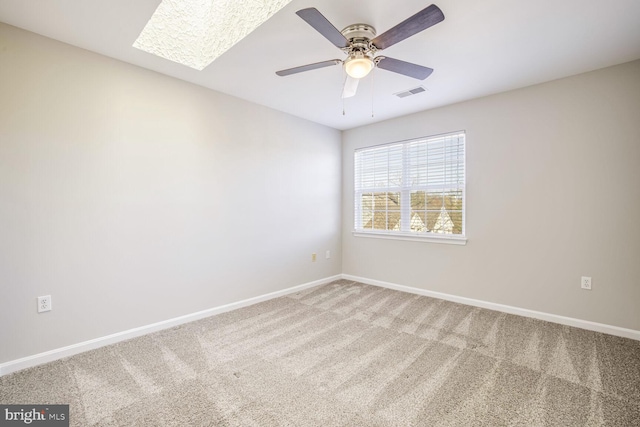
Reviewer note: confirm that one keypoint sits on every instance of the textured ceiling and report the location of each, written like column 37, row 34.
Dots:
column 481, row 48
column 195, row 32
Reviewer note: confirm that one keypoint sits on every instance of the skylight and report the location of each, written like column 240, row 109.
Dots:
column 195, row 32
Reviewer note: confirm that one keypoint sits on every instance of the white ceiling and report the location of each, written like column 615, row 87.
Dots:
column 482, row 47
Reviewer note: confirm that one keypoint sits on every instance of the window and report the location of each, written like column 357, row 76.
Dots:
column 412, row 189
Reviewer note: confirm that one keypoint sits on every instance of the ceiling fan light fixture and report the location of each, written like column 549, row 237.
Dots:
column 358, row 65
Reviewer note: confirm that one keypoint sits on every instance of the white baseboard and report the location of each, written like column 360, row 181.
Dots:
column 59, row 353
column 569, row 321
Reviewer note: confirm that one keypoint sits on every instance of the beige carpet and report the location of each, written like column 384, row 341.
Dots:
column 348, row 354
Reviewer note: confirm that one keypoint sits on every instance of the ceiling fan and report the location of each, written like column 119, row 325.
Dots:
column 360, row 43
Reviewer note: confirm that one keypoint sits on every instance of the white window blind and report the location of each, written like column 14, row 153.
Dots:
column 412, row 187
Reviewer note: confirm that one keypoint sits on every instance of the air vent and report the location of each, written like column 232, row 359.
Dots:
column 414, row 91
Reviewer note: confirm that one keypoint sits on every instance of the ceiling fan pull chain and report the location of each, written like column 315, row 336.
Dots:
column 342, row 97
column 373, row 75
column 343, row 80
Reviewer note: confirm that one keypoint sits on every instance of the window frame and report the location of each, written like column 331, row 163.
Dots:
column 405, row 192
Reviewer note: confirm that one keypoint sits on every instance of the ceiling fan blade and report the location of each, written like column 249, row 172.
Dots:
column 308, row 67
column 406, row 68
column 350, row 87
column 420, row 21
column 323, row 26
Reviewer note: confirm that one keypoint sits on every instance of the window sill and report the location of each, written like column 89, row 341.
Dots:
column 431, row 238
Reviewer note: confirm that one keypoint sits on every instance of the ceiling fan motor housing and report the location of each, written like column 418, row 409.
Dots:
column 359, row 36
column 359, row 31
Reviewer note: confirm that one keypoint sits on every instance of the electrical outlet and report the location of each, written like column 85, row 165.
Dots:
column 327, row 254
column 313, row 257
column 585, row 283
column 44, row 303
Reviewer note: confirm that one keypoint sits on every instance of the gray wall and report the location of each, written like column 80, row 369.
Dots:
column 132, row 197
column 553, row 175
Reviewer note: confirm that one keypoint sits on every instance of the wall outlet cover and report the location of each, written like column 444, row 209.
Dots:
column 44, row 303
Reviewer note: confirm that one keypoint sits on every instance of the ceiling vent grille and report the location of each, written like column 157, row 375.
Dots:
column 414, row 91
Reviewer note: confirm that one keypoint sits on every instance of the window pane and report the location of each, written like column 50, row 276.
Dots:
column 393, row 221
column 367, row 220
column 380, row 201
column 453, row 200
column 393, row 201
column 367, row 202
column 434, row 200
column 418, row 200
column 379, row 220
column 367, row 210
column 456, row 217
column 440, row 222
column 418, row 222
